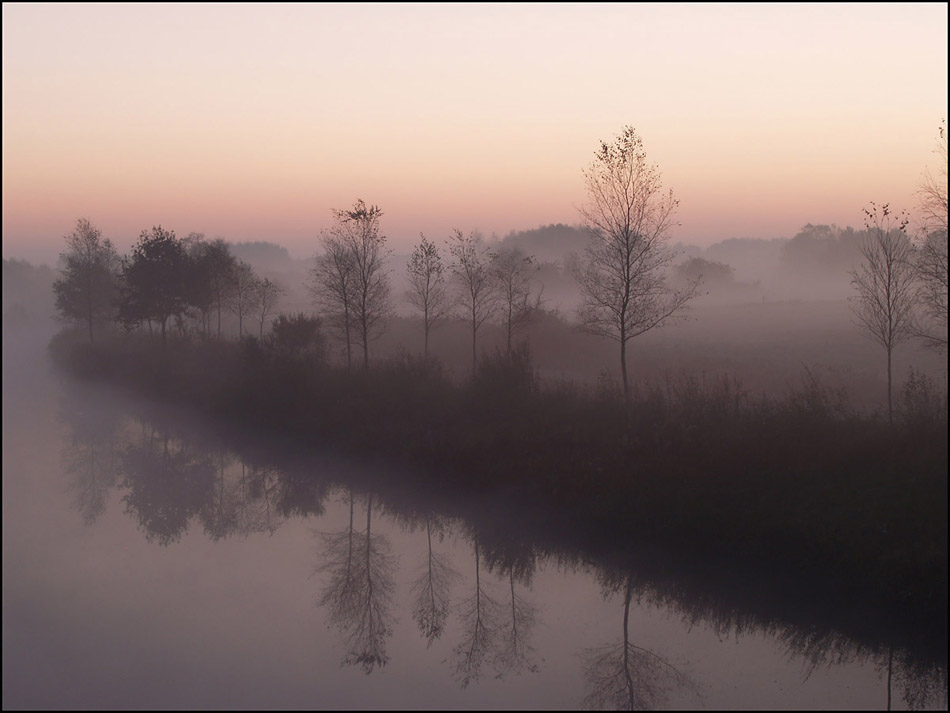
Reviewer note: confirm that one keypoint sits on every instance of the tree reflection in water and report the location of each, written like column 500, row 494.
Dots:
column 516, row 561
column 359, row 590
column 921, row 686
column 89, row 456
column 241, row 501
column 482, row 618
column 168, row 476
column 431, row 589
column 167, row 484
column 624, row 676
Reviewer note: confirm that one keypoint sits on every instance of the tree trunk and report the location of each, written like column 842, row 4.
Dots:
column 623, row 370
column 890, row 406
column 425, row 344
column 365, row 332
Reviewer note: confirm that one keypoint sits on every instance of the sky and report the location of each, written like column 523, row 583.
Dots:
column 254, row 121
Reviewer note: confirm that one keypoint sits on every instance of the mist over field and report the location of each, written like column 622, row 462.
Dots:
column 478, row 356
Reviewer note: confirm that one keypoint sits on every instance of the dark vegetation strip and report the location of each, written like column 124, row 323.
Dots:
column 827, row 501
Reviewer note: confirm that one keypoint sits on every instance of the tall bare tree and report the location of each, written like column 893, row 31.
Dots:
column 476, row 293
column 511, row 271
column 358, row 252
column 331, row 285
column 216, row 263
column 266, row 296
column 242, row 292
column 87, row 289
column 622, row 275
column 427, row 290
column 885, row 284
column 930, row 254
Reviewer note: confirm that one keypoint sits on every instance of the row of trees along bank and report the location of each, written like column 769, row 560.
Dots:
column 184, row 285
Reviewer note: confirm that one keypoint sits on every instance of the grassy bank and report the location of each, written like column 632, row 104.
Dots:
column 799, row 486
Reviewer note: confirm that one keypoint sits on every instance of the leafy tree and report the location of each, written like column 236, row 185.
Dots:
column 296, row 335
column 708, row 272
column 155, row 280
column 885, row 285
column 471, row 269
column 427, row 290
column 622, row 275
column 88, row 287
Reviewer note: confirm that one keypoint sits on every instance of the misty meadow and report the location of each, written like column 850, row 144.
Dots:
column 474, row 356
column 475, row 371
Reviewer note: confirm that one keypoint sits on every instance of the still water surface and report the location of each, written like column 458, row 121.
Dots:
column 147, row 564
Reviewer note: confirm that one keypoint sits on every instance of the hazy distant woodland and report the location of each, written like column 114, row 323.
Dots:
column 772, row 308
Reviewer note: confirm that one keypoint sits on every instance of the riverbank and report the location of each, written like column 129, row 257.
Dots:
column 801, row 486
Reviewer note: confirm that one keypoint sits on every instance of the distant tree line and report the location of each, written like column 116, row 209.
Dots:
column 627, row 274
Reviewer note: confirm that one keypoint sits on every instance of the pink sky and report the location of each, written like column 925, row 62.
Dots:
column 250, row 122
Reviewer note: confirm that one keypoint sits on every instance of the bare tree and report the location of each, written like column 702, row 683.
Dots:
column 427, row 291
column 622, row 276
column 350, row 279
column 266, row 296
column 932, row 191
column 242, row 294
column 511, row 271
column 930, row 254
column 216, row 264
column 885, row 283
column 332, row 288
column 87, row 289
column 472, row 273
column 359, row 228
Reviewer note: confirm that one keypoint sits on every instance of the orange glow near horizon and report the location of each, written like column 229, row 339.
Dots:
column 251, row 122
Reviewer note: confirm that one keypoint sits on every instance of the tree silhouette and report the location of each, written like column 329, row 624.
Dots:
column 885, row 286
column 511, row 272
column 427, row 291
column 622, row 276
column 88, row 286
column 332, row 287
column 476, row 292
column 155, row 280
column 930, row 255
column 266, row 295
column 242, row 293
column 350, row 279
